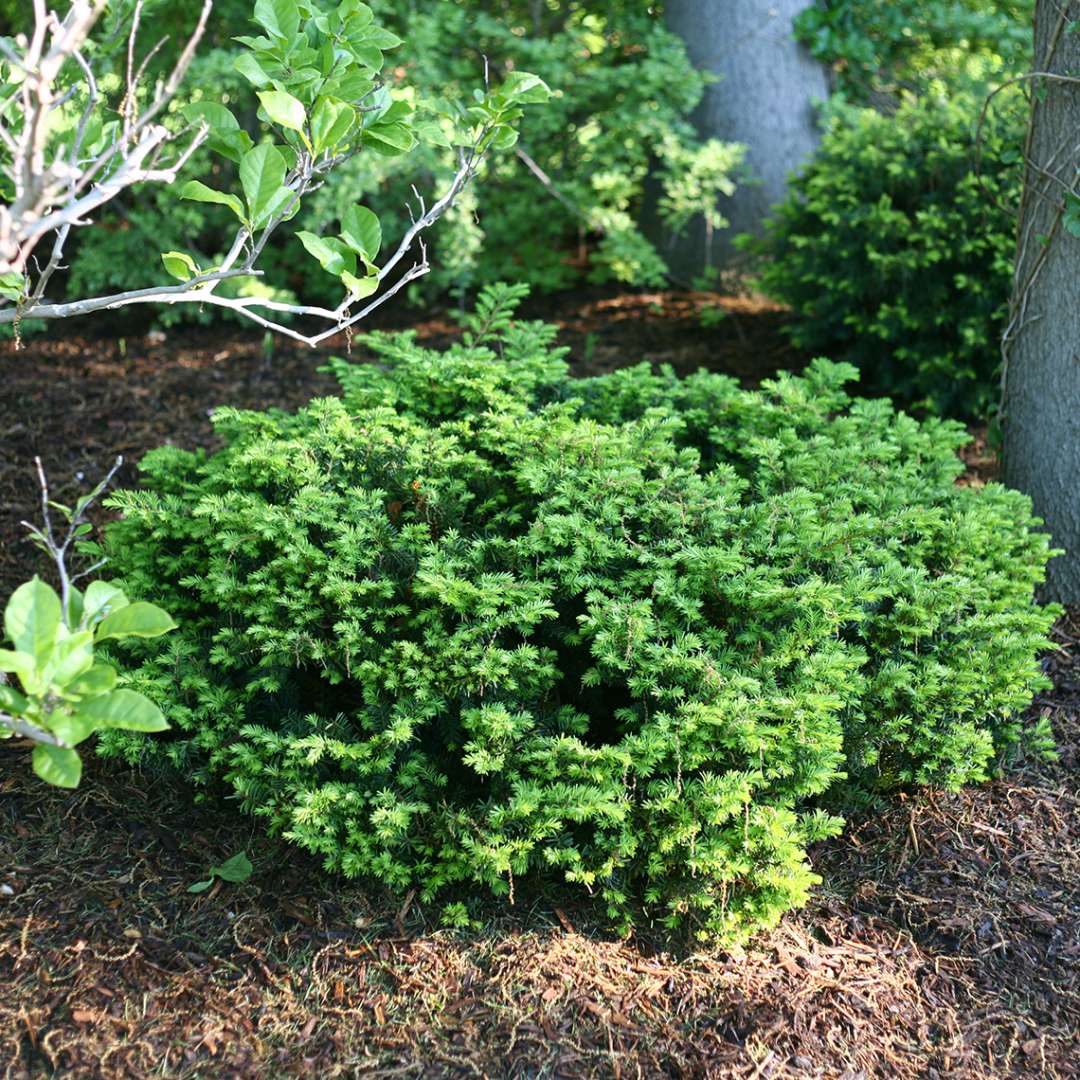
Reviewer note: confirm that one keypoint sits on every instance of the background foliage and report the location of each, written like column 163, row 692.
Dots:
column 877, row 51
column 895, row 251
column 477, row 622
column 623, row 91
column 894, row 247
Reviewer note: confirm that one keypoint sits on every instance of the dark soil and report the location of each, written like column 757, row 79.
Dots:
column 944, row 941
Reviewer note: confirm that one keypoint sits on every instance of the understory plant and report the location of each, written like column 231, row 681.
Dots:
column 477, row 623
column 894, row 249
column 65, row 691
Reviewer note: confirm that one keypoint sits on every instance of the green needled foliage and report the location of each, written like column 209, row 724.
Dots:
column 894, row 247
column 477, row 622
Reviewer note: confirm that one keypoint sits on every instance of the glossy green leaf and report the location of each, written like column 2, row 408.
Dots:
column 20, row 664
column 252, row 70
column 135, row 620
column 12, row 285
column 359, row 287
column 99, row 679
column 360, row 229
column 334, row 257
column 71, row 728
column 197, row 191
column 57, row 765
column 70, row 657
column 102, row 597
column 213, row 113
column 390, row 139
column 32, row 618
column 226, row 137
column 125, row 709
column 262, row 176
column 11, row 701
column 278, row 17
column 283, row 109
column 331, row 120
column 179, row 265
column 524, row 88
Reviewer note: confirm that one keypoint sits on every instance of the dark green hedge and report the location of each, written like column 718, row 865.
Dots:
column 895, row 246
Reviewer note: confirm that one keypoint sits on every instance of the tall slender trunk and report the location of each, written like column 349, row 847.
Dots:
column 764, row 98
column 1041, row 348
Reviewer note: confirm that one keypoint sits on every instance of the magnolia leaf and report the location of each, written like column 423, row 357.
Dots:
column 180, row 265
column 431, row 132
column 278, row 17
column 359, row 287
column 226, row 136
column 11, row 701
column 284, row 202
column 252, row 70
column 524, row 88
column 334, row 257
column 381, row 38
column 71, row 728
column 368, row 56
column 197, row 191
column 124, row 709
column 262, row 175
column 76, row 602
column 21, row 664
column 32, row 618
column 57, row 765
column 331, row 121
column 216, row 116
column 135, row 620
column 101, row 598
column 283, row 109
column 70, row 658
column 390, row 138
column 360, row 229
column 12, row 285
column 99, row 679
column 355, row 14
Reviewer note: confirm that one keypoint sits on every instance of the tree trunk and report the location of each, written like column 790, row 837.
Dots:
column 1041, row 347
column 764, row 98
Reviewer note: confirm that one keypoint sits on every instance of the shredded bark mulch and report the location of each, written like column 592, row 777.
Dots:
column 944, row 941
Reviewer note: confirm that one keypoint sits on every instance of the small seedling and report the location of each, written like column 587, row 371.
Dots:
column 235, row 870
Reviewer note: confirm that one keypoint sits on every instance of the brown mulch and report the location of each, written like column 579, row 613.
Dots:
column 944, row 941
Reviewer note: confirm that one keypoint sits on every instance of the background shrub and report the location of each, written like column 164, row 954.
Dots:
column 895, row 250
column 477, row 622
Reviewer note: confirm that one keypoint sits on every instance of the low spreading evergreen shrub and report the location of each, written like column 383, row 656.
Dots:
column 476, row 622
column 894, row 249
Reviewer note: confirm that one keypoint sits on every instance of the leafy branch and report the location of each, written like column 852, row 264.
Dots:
column 317, row 74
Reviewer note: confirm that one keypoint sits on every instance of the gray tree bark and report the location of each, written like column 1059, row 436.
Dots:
column 764, row 98
column 1041, row 347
